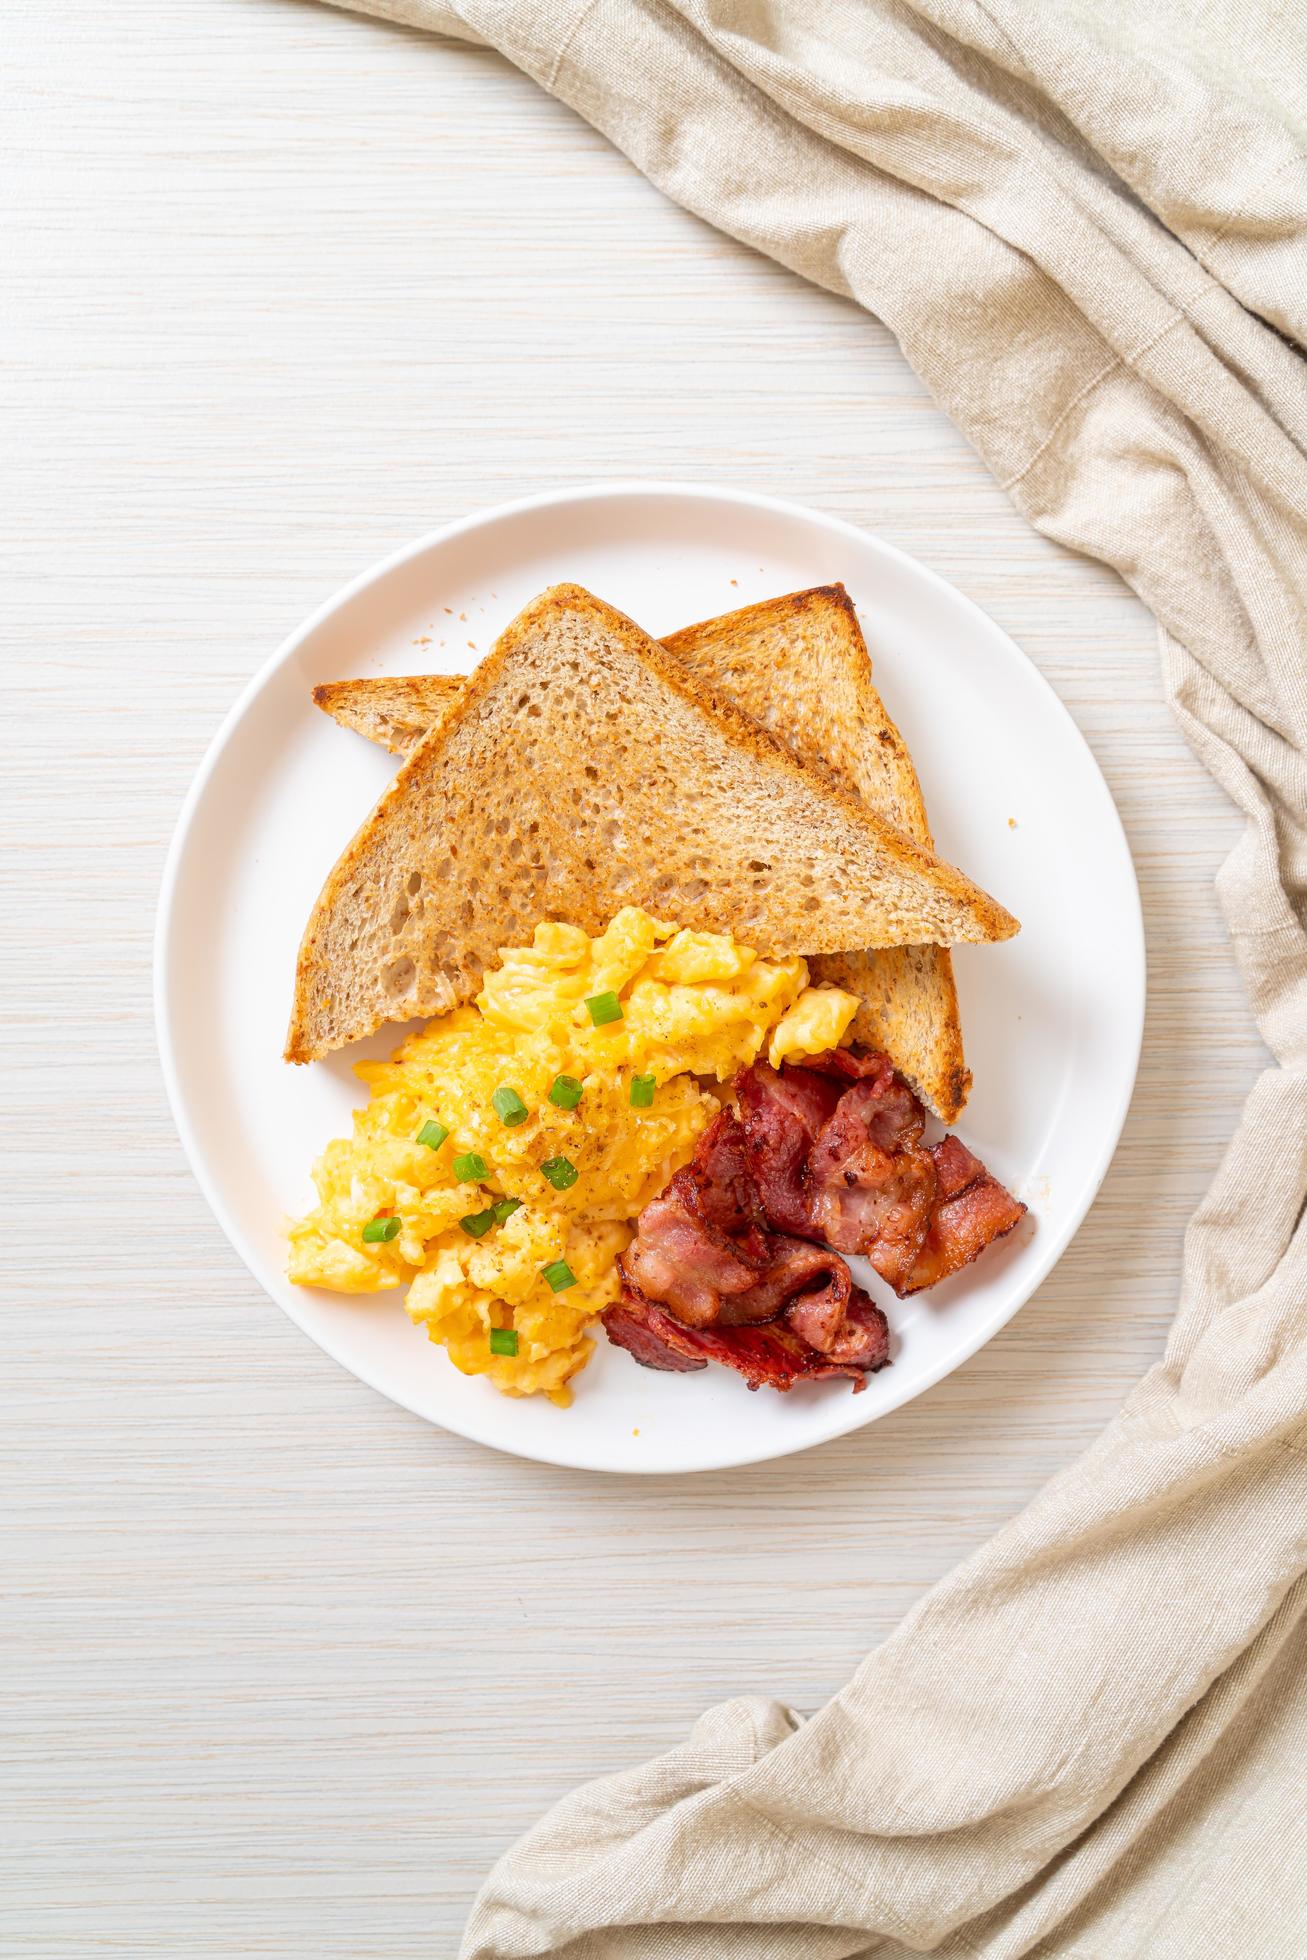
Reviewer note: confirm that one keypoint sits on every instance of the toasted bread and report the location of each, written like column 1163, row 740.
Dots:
column 799, row 665
column 394, row 712
column 582, row 768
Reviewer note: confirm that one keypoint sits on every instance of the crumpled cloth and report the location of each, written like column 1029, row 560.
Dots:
column 1086, row 224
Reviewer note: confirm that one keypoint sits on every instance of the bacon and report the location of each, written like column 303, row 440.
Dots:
column 855, row 1173
column 848, row 1064
column 782, row 1113
column 797, row 1273
column 973, row 1211
column 701, row 1253
column 699, row 1250
column 727, row 1198
column 676, row 1257
column 731, row 1263
column 842, row 1324
column 871, row 1184
column 770, row 1356
column 635, row 1327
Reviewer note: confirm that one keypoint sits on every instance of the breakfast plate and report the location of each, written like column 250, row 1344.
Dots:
column 1052, row 1017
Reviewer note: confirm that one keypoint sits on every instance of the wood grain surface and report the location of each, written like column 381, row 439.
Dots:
column 284, row 1668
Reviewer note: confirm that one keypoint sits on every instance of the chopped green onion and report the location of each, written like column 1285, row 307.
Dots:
column 566, row 1092
column 503, row 1340
column 470, row 1168
column 642, row 1091
column 477, row 1223
column 433, row 1135
column 504, row 1208
column 561, row 1172
column 509, row 1108
column 604, row 1008
column 380, row 1230
column 558, row 1276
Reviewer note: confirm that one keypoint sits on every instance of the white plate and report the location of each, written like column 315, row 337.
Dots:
column 1052, row 1020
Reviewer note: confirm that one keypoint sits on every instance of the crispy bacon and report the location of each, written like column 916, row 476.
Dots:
column 700, row 1250
column 730, row 1263
column 847, row 1064
column 782, row 1113
column 871, row 1185
column 726, row 1195
column 678, row 1258
column 863, row 1180
column 770, row 1356
column 972, row 1211
column 635, row 1326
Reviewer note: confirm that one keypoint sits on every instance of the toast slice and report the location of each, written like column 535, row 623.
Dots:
column 581, row 769
column 396, row 713
column 799, row 665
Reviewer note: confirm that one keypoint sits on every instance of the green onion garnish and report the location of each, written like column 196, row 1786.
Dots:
column 558, row 1275
column 504, row 1208
column 503, row 1340
column 604, row 1008
column 380, row 1230
column 470, row 1168
column 642, row 1091
column 477, row 1223
column 566, row 1092
column 433, row 1135
column 509, row 1108
column 561, row 1172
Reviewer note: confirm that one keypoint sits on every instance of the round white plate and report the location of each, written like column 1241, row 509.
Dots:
column 1052, row 1020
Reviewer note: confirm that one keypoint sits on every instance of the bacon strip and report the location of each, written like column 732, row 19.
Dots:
column 700, row 1250
column 770, row 1356
column 782, row 1113
column 855, row 1173
column 730, row 1263
column 973, row 1210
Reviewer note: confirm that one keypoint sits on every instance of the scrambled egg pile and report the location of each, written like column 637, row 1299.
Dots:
column 508, row 1148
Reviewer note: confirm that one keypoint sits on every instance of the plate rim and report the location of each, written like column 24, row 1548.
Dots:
column 580, row 494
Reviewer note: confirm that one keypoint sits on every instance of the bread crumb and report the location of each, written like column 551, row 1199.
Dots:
column 422, row 642
column 463, row 617
column 450, row 611
column 473, row 645
column 635, row 1432
column 1011, row 823
column 735, row 581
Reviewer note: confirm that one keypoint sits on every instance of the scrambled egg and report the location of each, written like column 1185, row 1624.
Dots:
column 508, row 1148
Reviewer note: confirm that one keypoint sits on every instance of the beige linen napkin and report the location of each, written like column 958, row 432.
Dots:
column 1085, row 222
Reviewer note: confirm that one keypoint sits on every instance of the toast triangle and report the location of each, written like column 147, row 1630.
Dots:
column 798, row 664
column 582, row 768
column 395, row 712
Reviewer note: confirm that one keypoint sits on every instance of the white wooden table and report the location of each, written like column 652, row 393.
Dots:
column 283, row 289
